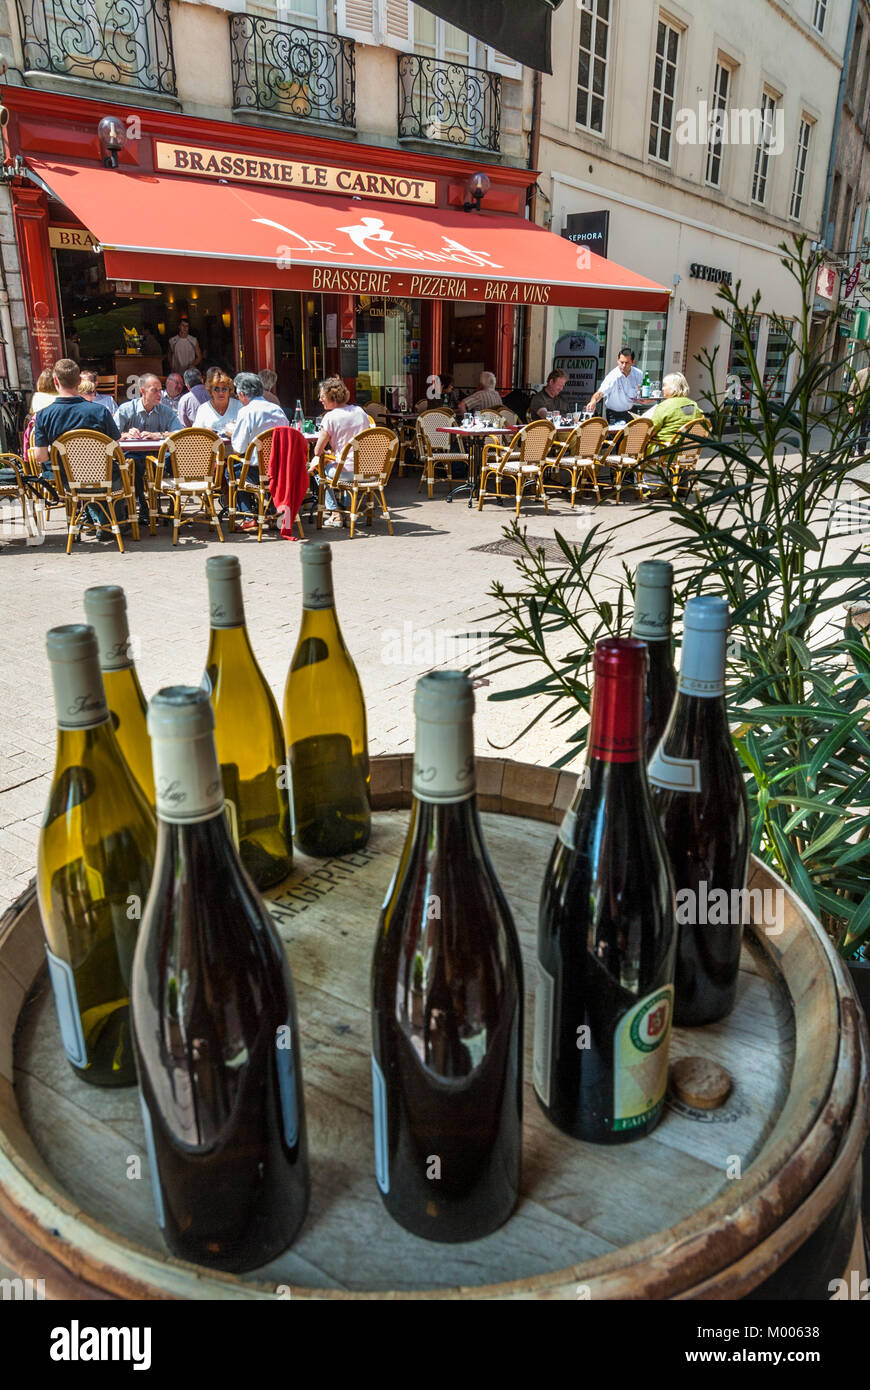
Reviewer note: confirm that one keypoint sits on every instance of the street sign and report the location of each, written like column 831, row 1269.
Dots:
column 853, row 280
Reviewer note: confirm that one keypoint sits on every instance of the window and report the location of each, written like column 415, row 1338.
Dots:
column 833, row 210
column 853, row 63
column 762, row 149
column 800, row 169
column 664, row 92
column 646, row 334
column 305, row 12
column 820, row 14
column 435, row 38
column 592, row 70
column 779, row 351
column 721, row 92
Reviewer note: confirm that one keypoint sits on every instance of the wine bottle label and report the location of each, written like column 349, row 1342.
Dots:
column 187, row 779
column 151, row 1150
column 379, row 1099
column 444, row 768
column 543, row 1054
column 66, row 1001
column 287, row 1085
column 106, row 610
column 226, row 607
column 640, row 1059
column 317, row 590
column 674, row 774
column 702, row 663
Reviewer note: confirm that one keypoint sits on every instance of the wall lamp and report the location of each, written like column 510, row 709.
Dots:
column 112, row 135
column 475, row 191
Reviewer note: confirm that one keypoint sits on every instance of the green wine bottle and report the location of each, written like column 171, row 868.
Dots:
column 325, row 724
column 106, row 611
column 96, row 852
column 248, row 732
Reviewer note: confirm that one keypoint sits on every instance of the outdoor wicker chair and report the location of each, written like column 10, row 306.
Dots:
column 682, row 455
column 435, row 448
column 521, row 462
column 196, row 463
column 578, row 456
column 83, row 462
column 627, row 453
column 371, row 455
column 17, row 485
column 257, row 455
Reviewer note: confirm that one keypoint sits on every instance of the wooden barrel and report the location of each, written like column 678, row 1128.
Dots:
column 758, row 1199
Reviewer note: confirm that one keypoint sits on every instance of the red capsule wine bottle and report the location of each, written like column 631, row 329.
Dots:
column 653, row 616
column 214, row 1020
column 447, row 999
column 700, row 798
column 606, row 934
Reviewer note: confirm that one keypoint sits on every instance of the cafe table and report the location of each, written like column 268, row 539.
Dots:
column 477, row 435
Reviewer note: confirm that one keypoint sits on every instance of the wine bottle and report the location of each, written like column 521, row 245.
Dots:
column 700, row 797
column 106, row 611
column 214, row 1021
column 96, row 851
column 325, row 724
column 248, row 732
column 606, row 934
column 447, row 999
column 653, row 614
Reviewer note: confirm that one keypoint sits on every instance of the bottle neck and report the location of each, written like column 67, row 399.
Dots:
column 113, row 636
column 225, row 603
column 444, row 767
column 226, row 643
column 702, row 668
column 616, row 730
column 317, row 589
column 79, row 696
column 187, row 779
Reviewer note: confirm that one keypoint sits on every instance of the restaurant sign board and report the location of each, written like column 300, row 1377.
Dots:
column 71, row 239
column 280, row 173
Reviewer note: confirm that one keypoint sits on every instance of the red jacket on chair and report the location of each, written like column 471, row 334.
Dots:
column 288, row 472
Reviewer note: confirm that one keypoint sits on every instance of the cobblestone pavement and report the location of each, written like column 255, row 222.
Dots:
column 404, row 603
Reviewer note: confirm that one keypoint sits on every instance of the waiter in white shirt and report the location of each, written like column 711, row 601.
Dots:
column 619, row 389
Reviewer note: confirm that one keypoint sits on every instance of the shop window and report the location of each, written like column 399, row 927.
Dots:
column 645, row 335
column 388, row 335
column 779, row 351
column 738, row 361
column 579, row 348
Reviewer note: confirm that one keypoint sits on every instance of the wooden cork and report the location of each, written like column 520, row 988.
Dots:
column 700, row 1082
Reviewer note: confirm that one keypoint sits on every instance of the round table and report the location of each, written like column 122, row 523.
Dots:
column 477, row 437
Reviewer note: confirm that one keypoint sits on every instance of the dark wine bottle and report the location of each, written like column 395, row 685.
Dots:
column 214, row 1020
column 607, row 935
column 653, row 616
column 96, row 852
column 700, row 798
column 106, row 611
column 247, row 730
column 447, row 999
column 325, row 724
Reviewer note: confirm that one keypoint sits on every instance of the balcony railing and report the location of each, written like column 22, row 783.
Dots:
column 127, row 43
column 448, row 102
column 292, row 71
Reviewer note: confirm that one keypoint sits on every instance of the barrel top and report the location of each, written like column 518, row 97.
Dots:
column 645, row 1217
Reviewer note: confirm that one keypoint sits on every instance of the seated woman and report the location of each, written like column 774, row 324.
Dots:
column 220, row 410
column 341, row 423
column 676, row 410
column 45, row 392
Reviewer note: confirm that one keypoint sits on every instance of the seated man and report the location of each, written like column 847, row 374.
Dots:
column 551, row 398
column 257, row 414
column 195, row 396
column 341, row 423
column 70, row 411
column 487, row 398
column 145, row 417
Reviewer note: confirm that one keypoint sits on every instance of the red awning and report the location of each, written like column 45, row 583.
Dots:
column 174, row 229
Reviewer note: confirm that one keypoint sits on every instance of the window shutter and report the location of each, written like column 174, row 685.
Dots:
column 358, row 19
column 508, row 67
column 397, row 24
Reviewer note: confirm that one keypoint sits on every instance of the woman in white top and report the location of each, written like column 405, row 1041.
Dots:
column 221, row 408
column 341, row 423
column 45, row 392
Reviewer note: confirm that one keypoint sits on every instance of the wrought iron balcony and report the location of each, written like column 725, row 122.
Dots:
column 127, row 43
column 448, row 102
column 292, row 71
